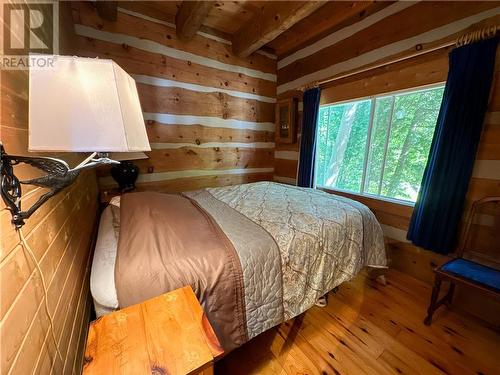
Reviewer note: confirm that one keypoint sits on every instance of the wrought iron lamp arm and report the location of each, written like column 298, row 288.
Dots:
column 58, row 176
column 91, row 162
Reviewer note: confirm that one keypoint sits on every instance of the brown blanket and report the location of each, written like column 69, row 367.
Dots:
column 188, row 248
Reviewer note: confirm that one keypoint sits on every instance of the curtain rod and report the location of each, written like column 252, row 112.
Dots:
column 464, row 39
column 477, row 35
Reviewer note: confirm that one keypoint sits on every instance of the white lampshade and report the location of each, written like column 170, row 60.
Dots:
column 120, row 156
column 84, row 105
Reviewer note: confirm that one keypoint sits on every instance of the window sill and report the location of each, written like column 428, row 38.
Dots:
column 375, row 203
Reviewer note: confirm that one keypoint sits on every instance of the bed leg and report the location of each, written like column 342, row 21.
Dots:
column 381, row 280
column 378, row 274
column 322, row 301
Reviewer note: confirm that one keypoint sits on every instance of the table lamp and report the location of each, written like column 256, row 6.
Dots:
column 75, row 105
column 125, row 173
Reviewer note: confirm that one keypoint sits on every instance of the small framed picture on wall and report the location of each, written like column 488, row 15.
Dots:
column 286, row 118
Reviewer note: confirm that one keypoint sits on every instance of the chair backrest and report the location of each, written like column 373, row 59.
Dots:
column 481, row 236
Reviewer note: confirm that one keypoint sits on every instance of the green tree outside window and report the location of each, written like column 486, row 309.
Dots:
column 377, row 146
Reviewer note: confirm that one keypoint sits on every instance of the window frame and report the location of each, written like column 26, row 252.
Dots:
column 372, row 99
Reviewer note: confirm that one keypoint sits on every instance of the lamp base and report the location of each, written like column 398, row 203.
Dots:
column 125, row 174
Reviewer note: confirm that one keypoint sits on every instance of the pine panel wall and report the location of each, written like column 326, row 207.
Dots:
column 209, row 114
column 381, row 36
column 60, row 234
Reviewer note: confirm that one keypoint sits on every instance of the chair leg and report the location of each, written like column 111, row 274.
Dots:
column 434, row 298
column 449, row 295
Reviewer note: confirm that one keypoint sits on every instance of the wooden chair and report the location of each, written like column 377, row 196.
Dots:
column 469, row 269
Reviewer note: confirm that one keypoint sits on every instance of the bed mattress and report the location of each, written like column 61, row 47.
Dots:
column 102, row 277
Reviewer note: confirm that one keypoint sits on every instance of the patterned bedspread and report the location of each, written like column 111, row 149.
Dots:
column 323, row 239
column 294, row 244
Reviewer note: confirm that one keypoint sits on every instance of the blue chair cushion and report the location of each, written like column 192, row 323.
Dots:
column 473, row 271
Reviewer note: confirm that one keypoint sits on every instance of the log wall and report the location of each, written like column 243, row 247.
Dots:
column 209, row 114
column 27, row 345
column 366, row 44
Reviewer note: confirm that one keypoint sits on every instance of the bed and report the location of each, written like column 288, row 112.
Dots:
column 255, row 254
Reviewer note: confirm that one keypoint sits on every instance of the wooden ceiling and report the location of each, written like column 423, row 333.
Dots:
column 279, row 27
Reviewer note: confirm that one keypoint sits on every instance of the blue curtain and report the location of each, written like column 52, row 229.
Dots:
column 446, row 177
column 305, row 176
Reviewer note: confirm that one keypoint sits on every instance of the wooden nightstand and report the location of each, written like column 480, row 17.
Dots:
column 168, row 334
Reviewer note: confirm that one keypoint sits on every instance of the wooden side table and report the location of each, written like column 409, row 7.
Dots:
column 168, row 334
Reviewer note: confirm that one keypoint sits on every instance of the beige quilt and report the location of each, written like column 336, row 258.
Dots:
column 323, row 239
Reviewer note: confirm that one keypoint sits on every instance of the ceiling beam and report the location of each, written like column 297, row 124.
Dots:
column 107, row 10
column 190, row 16
column 332, row 16
column 274, row 18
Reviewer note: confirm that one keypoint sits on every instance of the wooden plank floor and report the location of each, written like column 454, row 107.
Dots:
column 371, row 329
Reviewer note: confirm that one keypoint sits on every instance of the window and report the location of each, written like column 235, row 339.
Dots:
column 377, row 146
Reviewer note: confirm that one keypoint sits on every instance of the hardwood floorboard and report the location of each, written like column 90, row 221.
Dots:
column 371, row 329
